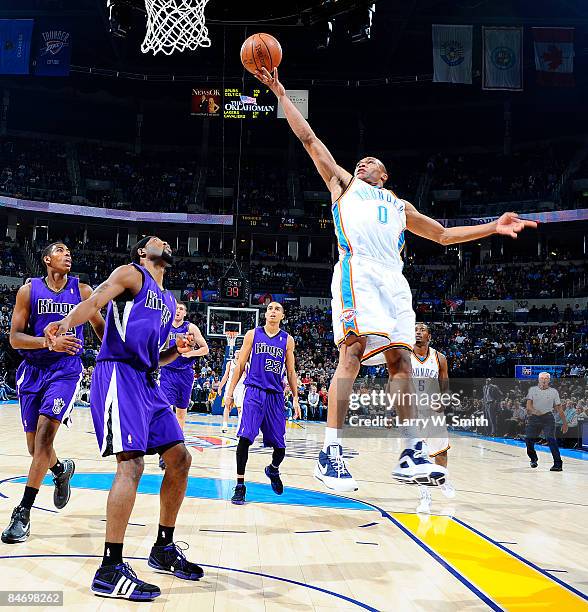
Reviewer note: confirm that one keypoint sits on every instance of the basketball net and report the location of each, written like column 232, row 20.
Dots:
column 175, row 25
column 231, row 339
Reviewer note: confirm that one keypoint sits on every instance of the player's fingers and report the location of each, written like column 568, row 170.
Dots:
column 266, row 73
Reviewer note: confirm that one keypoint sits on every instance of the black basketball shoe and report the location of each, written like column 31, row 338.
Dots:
column 62, row 491
column 239, row 495
column 274, row 475
column 121, row 582
column 171, row 560
column 19, row 528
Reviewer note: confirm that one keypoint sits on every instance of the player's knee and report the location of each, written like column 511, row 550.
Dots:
column 398, row 362
column 350, row 358
column 131, row 466
column 179, row 459
column 44, row 436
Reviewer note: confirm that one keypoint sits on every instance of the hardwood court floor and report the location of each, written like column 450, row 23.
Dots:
column 512, row 539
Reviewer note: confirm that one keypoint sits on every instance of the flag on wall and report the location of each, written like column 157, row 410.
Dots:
column 554, row 56
column 52, row 49
column 15, row 45
column 452, row 53
column 503, row 50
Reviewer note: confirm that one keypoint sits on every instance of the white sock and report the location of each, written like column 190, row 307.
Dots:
column 411, row 442
column 225, row 424
column 332, row 436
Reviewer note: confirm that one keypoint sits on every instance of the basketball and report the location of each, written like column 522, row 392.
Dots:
column 261, row 51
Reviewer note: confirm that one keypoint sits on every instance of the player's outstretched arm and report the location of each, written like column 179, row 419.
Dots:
column 244, row 354
column 124, row 278
column 335, row 177
column 97, row 320
column 509, row 224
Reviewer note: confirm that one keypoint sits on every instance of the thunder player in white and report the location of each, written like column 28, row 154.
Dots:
column 431, row 375
column 238, row 393
column 373, row 319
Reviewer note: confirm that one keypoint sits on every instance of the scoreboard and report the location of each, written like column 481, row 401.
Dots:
column 234, row 289
column 255, row 103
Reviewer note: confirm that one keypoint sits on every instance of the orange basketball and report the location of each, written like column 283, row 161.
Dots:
column 261, row 51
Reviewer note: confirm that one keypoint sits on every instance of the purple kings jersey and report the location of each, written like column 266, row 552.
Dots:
column 136, row 330
column 181, row 363
column 46, row 307
column 267, row 362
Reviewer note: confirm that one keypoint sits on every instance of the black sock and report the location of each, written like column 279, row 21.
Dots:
column 57, row 469
column 240, row 480
column 165, row 536
column 112, row 553
column 28, row 499
column 277, row 457
column 242, row 454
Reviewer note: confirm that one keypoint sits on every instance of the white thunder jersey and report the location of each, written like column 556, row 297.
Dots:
column 371, row 296
column 425, row 375
column 370, row 222
column 240, row 388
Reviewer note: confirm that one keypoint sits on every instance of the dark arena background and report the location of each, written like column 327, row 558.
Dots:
column 476, row 108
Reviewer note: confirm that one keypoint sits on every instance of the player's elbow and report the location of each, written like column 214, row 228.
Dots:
column 443, row 238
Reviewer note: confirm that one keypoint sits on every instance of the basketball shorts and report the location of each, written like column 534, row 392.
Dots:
column 372, row 300
column 263, row 411
column 130, row 412
column 177, row 385
column 50, row 391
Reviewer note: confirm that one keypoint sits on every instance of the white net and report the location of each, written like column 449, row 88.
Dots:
column 175, row 25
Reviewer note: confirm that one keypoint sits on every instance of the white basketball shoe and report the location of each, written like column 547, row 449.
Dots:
column 414, row 467
column 330, row 468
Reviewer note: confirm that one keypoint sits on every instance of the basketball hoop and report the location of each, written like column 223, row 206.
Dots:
column 231, row 339
column 175, row 25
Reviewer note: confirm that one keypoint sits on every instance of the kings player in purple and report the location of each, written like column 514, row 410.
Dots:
column 49, row 377
column 177, row 378
column 270, row 353
column 131, row 416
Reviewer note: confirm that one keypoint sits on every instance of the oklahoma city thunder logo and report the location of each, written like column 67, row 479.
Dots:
column 55, row 41
column 503, row 58
column 452, row 52
column 348, row 315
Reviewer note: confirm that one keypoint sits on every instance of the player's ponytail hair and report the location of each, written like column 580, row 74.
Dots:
column 135, row 257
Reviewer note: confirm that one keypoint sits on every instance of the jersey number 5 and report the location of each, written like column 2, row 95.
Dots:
column 382, row 214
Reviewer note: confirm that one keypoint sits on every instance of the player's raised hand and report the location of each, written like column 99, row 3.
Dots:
column 229, row 401
column 510, row 224
column 271, row 81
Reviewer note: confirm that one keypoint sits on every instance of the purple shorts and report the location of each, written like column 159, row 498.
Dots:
column 50, row 391
column 263, row 410
column 129, row 411
column 177, row 385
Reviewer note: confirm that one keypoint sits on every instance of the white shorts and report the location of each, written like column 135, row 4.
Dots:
column 239, row 395
column 373, row 300
column 437, row 445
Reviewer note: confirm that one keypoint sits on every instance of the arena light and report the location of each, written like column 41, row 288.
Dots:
column 361, row 24
column 324, row 35
column 119, row 17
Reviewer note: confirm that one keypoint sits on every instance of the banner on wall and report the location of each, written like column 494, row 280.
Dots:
column 503, row 51
column 452, row 53
column 52, row 49
column 206, row 101
column 15, row 45
column 554, row 56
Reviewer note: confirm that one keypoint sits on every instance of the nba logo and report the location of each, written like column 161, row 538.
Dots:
column 129, row 439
